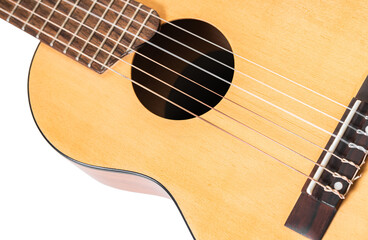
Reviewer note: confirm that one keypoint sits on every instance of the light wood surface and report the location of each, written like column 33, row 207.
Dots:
column 224, row 188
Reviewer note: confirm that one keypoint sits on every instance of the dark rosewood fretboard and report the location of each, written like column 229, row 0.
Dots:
column 104, row 30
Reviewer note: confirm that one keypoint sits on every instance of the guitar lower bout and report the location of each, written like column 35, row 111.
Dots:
column 223, row 188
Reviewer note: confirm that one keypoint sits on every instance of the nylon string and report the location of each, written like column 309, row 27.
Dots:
column 343, row 160
column 196, row 115
column 224, row 80
column 335, row 174
column 243, row 58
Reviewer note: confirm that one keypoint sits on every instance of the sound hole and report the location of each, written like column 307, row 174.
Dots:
column 204, row 74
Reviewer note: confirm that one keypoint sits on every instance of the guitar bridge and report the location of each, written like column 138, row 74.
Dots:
column 345, row 156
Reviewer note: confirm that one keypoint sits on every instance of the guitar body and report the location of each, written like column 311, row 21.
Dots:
column 224, row 188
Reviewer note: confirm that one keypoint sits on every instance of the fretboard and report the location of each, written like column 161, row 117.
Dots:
column 96, row 33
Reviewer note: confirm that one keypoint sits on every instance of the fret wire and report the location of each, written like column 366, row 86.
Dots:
column 30, row 15
column 65, row 21
column 48, row 18
column 140, row 29
column 12, row 12
column 95, row 28
column 80, row 26
column 109, row 32
column 123, row 33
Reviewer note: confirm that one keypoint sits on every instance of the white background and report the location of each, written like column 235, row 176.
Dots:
column 43, row 195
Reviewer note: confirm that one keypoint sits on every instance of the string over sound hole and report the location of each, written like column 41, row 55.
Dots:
column 204, row 80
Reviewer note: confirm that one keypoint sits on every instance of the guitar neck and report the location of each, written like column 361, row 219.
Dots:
column 94, row 33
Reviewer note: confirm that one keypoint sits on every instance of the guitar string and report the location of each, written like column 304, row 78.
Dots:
column 359, row 131
column 343, row 160
column 325, row 187
column 243, row 58
column 242, row 73
column 351, row 145
column 334, row 174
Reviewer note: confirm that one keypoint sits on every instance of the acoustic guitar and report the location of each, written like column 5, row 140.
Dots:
column 250, row 115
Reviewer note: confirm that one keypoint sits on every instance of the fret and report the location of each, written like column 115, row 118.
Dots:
column 95, row 28
column 140, row 29
column 64, row 22
column 12, row 12
column 108, row 34
column 123, row 33
column 80, row 26
column 22, row 23
column 48, row 18
column 30, row 15
column 39, row 30
column 28, row 24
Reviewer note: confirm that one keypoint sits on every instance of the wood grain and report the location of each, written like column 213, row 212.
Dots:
column 312, row 215
column 94, row 34
column 224, row 189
